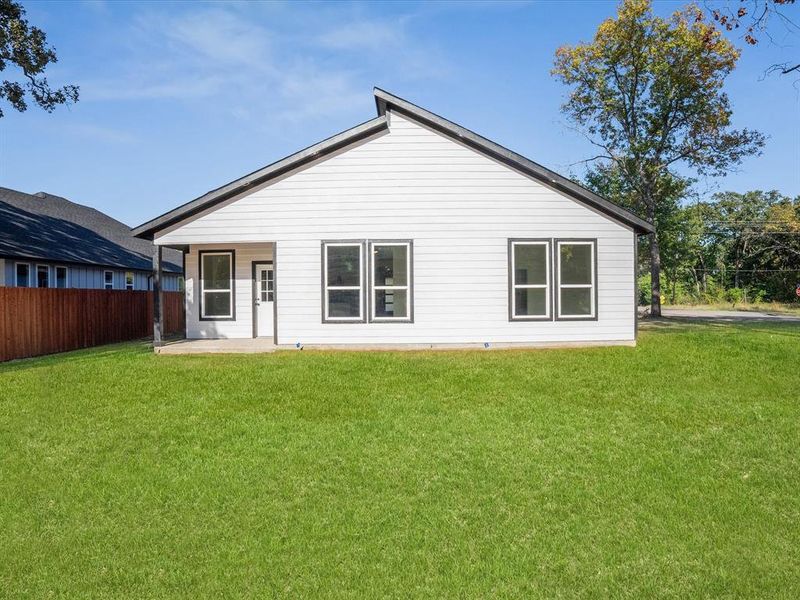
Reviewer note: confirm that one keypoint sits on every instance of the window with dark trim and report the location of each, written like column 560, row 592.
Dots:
column 42, row 276
column 22, row 275
column 129, row 280
column 217, row 285
column 530, row 292
column 391, row 289
column 108, row 280
column 343, row 281
column 576, row 273
column 61, row 277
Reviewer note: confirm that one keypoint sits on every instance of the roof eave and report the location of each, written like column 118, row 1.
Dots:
column 298, row 159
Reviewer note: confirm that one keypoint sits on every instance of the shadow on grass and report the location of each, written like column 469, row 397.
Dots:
column 690, row 324
column 81, row 355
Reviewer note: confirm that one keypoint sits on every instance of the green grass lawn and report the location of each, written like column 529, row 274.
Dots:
column 671, row 469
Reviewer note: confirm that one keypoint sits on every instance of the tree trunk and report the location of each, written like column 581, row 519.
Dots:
column 655, row 276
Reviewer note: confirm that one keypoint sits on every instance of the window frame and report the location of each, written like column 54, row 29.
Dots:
column 232, row 290
column 362, row 281
column 105, row 283
column 47, row 269
column 16, row 274
column 591, row 242
column 409, row 287
column 66, row 276
column 549, row 285
column 133, row 280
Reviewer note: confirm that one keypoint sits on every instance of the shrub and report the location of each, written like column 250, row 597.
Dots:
column 735, row 296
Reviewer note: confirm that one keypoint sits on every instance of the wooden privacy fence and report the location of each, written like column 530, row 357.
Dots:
column 37, row 321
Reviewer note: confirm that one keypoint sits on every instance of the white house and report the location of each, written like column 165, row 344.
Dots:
column 406, row 230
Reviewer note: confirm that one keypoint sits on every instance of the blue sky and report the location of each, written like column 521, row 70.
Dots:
column 179, row 98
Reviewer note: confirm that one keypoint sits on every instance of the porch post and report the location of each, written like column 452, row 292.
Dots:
column 158, row 297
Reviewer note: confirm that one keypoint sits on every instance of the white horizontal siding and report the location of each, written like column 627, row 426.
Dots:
column 242, row 327
column 458, row 206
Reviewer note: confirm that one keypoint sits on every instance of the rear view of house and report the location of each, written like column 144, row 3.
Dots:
column 406, row 230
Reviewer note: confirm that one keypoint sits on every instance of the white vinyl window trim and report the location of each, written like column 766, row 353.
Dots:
column 535, row 286
column 65, row 271
column 108, row 280
column 329, row 288
column 228, row 290
column 375, row 288
column 591, row 286
column 16, row 274
column 130, row 279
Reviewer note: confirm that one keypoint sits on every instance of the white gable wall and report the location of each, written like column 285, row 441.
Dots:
column 459, row 208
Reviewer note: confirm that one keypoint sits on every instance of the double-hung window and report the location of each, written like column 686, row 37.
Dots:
column 576, row 270
column 390, row 268
column 529, row 276
column 61, row 277
column 42, row 276
column 129, row 280
column 108, row 280
column 343, row 282
column 217, row 285
column 22, row 275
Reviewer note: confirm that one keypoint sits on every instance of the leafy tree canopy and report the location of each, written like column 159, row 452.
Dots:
column 648, row 92
column 25, row 46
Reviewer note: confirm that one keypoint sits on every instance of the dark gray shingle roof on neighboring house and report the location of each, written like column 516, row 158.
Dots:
column 46, row 227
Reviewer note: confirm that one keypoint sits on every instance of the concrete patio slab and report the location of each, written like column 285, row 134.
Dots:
column 226, row 346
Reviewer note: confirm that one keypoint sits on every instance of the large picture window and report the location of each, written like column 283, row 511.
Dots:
column 576, row 270
column 529, row 265
column 390, row 270
column 217, row 298
column 343, row 281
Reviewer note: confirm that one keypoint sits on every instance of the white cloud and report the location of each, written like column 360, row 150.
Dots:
column 219, row 36
column 254, row 69
column 363, row 35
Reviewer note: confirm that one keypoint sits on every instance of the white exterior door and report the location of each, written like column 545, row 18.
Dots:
column 264, row 300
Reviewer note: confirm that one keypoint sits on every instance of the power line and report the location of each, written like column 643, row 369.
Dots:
column 758, row 232
column 734, row 270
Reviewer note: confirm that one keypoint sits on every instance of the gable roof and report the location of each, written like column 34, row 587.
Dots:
column 46, row 227
column 276, row 169
column 385, row 101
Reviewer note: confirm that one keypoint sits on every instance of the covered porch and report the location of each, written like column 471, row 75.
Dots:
column 230, row 297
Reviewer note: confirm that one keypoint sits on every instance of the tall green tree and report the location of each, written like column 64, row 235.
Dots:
column 25, row 46
column 677, row 230
column 648, row 93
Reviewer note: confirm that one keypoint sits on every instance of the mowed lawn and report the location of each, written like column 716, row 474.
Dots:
column 668, row 470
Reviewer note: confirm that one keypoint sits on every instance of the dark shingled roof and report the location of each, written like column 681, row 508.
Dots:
column 46, row 227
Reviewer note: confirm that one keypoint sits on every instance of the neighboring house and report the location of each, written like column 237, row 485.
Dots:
column 407, row 229
column 49, row 242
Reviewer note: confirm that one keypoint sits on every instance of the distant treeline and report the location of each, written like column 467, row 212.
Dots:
column 735, row 248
